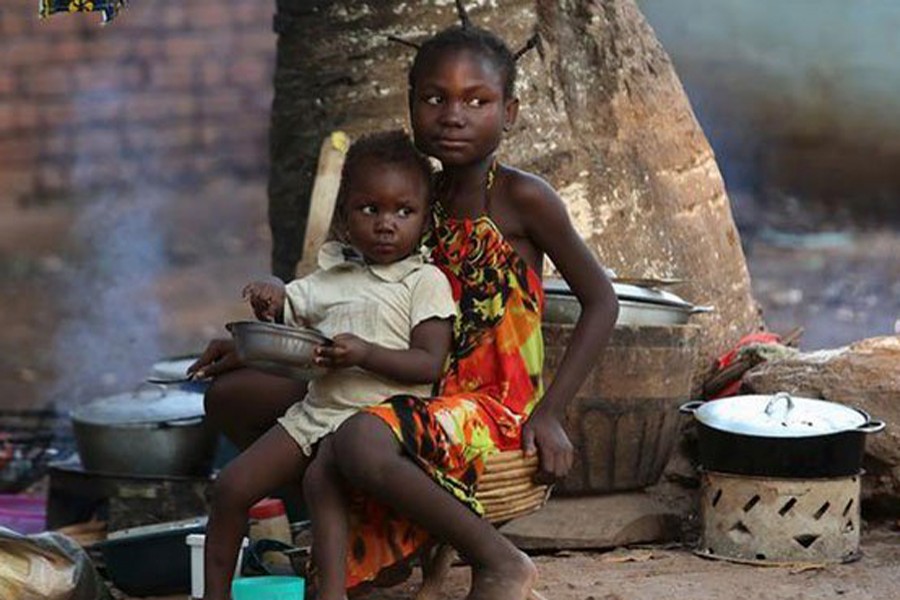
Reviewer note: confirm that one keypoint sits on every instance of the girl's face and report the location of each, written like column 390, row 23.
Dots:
column 457, row 108
column 385, row 209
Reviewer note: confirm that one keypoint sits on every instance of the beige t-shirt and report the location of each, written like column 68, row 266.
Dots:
column 379, row 303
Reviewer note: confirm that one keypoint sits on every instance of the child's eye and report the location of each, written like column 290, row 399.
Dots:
column 476, row 102
column 405, row 212
column 432, row 100
column 368, row 209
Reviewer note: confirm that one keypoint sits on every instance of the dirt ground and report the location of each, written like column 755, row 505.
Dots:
column 96, row 289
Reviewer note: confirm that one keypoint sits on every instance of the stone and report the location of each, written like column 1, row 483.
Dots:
column 596, row 522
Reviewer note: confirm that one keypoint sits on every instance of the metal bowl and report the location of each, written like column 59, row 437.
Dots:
column 278, row 349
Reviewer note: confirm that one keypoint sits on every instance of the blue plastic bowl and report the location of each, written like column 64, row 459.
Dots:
column 268, row 587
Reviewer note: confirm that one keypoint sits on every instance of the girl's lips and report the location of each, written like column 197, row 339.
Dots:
column 451, row 143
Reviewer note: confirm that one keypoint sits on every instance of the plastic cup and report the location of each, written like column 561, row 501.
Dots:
column 268, row 587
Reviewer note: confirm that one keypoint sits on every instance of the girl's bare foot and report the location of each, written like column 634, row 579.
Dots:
column 511, row 579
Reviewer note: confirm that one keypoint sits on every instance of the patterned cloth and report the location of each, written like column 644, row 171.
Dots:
column 109, row 8
column 492, row 384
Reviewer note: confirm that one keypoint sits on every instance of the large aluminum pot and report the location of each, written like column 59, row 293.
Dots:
column 159, row 432
column 781, row 436
column 638, row 306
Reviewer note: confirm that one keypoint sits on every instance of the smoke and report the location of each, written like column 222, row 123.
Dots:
column 109, row 332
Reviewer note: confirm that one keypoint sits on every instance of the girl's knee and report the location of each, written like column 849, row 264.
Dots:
column 231, row 490
column 363, row 447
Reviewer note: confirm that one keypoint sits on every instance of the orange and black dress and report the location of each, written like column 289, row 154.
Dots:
column 491, row 385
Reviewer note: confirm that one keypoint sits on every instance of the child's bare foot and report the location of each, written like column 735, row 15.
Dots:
column 511, row 579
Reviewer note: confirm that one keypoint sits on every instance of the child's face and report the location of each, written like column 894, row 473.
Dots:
column 386, row 209
column 457, row 108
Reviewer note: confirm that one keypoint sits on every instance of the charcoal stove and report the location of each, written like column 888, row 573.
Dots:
column 77, row 495
column 769, row 520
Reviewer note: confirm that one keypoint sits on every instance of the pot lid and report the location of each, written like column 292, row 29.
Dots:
column 145, row 405
column 624, row 291
column 779, row 415
column 173, row 368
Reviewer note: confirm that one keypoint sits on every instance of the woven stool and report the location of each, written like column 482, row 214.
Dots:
column 506, row 490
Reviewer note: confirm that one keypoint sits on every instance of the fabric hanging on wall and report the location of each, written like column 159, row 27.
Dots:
column 109, row 8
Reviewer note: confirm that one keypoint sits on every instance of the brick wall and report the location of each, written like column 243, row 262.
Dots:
column 171, row 91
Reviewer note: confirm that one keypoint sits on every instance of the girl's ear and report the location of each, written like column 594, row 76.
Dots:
column 511, row 113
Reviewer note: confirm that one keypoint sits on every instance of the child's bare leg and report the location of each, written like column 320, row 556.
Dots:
column 370, row 458
column 326, row 501
column 271, row 461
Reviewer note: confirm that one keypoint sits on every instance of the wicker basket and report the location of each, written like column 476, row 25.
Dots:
column 507, row 489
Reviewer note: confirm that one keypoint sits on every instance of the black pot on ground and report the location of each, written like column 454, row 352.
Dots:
column 781, row 436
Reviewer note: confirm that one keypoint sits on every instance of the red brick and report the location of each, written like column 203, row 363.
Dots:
column 55, row 143
column 146, row 108
column 27, row 116
column 48, row 81
column 107, row 77
column 225, row 101
column 16, row 183
column 173, row 17
column 172, row 76
column 206, row 15
column 7, row 117
column 250, row 71
column 97, row 142
column 256, row 42
column 69, row 50
column 185, row 46
column 53, row 176
column 29, row 51
column 8, row 83
column 57, row 112
column 252, row 13
column 212, row 73
column 17, row 151
column 16, row 21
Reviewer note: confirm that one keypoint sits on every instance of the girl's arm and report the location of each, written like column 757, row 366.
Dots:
column 423, row 362
column 550, row 230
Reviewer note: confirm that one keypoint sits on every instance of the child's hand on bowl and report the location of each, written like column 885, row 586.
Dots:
column 345, row 350
column 266, row 297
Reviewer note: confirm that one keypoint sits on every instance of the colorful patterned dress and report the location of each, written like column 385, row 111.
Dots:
column 492, row 383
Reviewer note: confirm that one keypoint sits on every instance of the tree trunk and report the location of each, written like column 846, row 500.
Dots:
column 603, row 118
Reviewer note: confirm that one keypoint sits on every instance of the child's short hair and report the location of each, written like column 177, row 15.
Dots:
column 388, row 147
column 468, row 37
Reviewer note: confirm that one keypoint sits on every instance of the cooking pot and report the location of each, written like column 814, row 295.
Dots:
column 638, row 306
column 159, row 431
column 781, row 436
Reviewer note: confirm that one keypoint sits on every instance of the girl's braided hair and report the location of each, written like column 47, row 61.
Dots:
column 469, row 37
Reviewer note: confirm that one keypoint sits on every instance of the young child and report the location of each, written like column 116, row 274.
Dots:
column 493, row 227
column 387, row 312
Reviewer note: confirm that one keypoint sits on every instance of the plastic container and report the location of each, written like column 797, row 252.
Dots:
column 197, row 544
column 151, row 560
column 268, row 587
column 24, row 514
column 268, row 521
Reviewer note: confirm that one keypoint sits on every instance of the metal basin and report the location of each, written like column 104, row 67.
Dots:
column 277, row 349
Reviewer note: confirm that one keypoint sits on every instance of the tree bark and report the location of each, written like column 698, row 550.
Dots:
column 604, row 119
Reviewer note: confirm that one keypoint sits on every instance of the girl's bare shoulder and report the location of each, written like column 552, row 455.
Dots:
column 530, row 194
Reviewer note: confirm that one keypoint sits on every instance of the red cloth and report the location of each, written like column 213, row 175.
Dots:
column 726, row 359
